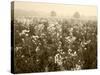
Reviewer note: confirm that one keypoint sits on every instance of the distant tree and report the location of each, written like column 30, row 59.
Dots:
column 76, row 15
column 53, row 13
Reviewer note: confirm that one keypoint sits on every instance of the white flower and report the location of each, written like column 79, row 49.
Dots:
column 22, row 56
column 37, row 60
column 85, row 48
column 37, row 49
column 35, row 37
column 78, row 67
column 25, row 61
column 58, row 59
column 23, row 39
column 26, row 35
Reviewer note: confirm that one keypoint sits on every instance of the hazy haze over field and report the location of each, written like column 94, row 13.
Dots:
column 44, row 9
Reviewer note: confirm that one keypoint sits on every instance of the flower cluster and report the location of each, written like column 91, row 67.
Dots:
column 42, row 44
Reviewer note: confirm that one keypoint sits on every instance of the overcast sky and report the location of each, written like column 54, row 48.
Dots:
column 61, row 9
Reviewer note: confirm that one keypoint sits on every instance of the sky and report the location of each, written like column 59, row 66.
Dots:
column 60, row 9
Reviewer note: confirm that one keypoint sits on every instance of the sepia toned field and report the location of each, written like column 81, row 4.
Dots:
column 45, row 44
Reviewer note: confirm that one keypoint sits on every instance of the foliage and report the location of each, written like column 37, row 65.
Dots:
column 44, row 46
